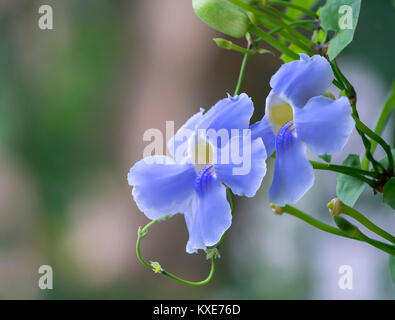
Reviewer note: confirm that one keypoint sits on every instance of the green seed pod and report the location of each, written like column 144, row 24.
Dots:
column 222, row 16
column 347, row 227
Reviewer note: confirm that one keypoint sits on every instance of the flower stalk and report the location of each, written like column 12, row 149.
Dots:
column 155, row 266
column 346, row 229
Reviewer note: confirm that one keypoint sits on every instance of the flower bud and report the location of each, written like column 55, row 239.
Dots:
column 222, row 43
column 222, row 16
column 335, row 207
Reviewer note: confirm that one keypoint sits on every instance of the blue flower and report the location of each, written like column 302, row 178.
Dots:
column 297, row 112
column 192, row 180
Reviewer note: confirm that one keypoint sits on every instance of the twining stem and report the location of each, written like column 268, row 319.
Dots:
column 143, row 232
column 294, row 6
column 354, row 172
column 345, row 209
column 370, row 133
column 385, row 114
column 344, row 84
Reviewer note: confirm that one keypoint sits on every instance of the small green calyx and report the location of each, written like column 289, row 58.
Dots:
column 212, row 253
column 276, row 209
column 222, row 16
column 222, row 43
column 335, row 207
column 141, row 233
column 156, row 267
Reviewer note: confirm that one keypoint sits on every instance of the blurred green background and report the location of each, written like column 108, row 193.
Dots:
column 74, row 104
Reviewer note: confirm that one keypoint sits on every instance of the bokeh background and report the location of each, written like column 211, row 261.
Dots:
column 74, row 104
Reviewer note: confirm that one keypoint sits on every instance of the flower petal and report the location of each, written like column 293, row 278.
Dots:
column 262, row 129
column 298, row 81
column 161, row 186
column 293, row 173
column 210, row 215
column 324, row 124
column 246, row 165
column 178, row 144
column 229, row 113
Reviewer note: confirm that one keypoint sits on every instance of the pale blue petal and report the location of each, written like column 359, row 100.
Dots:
column 211, row 215
column 161, row 186
column 293, row 173
column 177, row 145
column 246, row 165
column 298, row 81
column 229, row 113
column 324, row 124
column 262, row 129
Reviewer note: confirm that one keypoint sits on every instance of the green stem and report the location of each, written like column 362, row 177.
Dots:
column 385, row 114
column 314, row 222
column 342, row 169
column 366, row 222
column 241, row 74
column 278, row 29
column 268, row 17
column 273, row 42
column 351, row 94
column 370, row 133
column 277, row 13
column 356, row 235
column 294, row 6
column 354, row 172
column 143, row 232
column 354, row 232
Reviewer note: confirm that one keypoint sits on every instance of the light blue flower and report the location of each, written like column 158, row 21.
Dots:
column 296, row 114
column 192, row 183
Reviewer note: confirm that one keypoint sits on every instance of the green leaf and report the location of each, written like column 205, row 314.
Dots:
column 222, row 16
column 392, row 267
column 389, row 193
column 340, row 16
column 349, row 189
column 326, row 157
